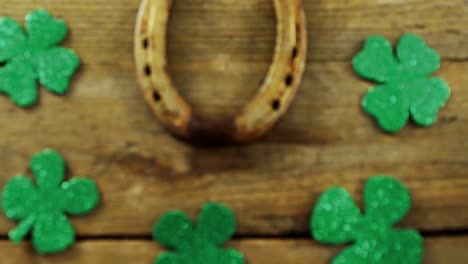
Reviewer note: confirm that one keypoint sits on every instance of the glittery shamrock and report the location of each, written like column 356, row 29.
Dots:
column 33, row 56
column 198, row 244
column 406, row 86
column 41, row 209
column 336, row 220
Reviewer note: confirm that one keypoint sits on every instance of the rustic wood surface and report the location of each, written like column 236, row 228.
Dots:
column 219, row 53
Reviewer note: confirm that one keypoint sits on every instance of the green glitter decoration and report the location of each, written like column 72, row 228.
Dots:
column 41, row 209
column 198, row 244
column 406, row 86
column 33, row 56
column 336, row 220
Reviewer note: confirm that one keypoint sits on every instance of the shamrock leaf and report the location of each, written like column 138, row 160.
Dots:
column 12, row 39
column 427, row 97
column 336, row 220
column 44, row 30
column 376, row 62
column 33, row 57
column 41, row 209
column 332, row 229
column 200, row 243
column 14, row 75
column 415, row 57
column 389, row 105
column 406, row 88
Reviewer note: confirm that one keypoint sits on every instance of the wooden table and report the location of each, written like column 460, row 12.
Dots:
column 219, row 51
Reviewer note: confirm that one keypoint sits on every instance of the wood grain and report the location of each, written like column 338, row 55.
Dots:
column 102, row 31
column 219, row 51
column 438, row 250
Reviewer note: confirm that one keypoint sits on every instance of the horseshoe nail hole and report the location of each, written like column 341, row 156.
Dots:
column 148, row 70
column 145, row 43
column 276, row 104
column 294, row 53
column 156, row 96
column 289, row 80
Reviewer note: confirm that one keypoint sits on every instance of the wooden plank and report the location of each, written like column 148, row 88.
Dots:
column 437, row 251
column 204, row 30
column 105, row 131
column 326, row 111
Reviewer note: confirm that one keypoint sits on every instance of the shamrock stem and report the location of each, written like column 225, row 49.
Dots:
column 17, row 234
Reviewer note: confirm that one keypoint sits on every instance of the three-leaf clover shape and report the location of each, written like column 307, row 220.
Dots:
column 34, row 56
column 42, row 208
column 198, row 244
column 406, row 88
column 336, row 219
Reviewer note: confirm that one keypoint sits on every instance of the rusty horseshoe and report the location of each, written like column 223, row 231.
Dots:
column 259, row 115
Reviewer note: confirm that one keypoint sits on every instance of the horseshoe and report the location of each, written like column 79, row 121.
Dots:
column 258, row 116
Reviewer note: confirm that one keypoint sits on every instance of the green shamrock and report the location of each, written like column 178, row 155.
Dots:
column 34, row 56
column 200, row 244
column 406, row 87
column 336, row 219
column 42, row 208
